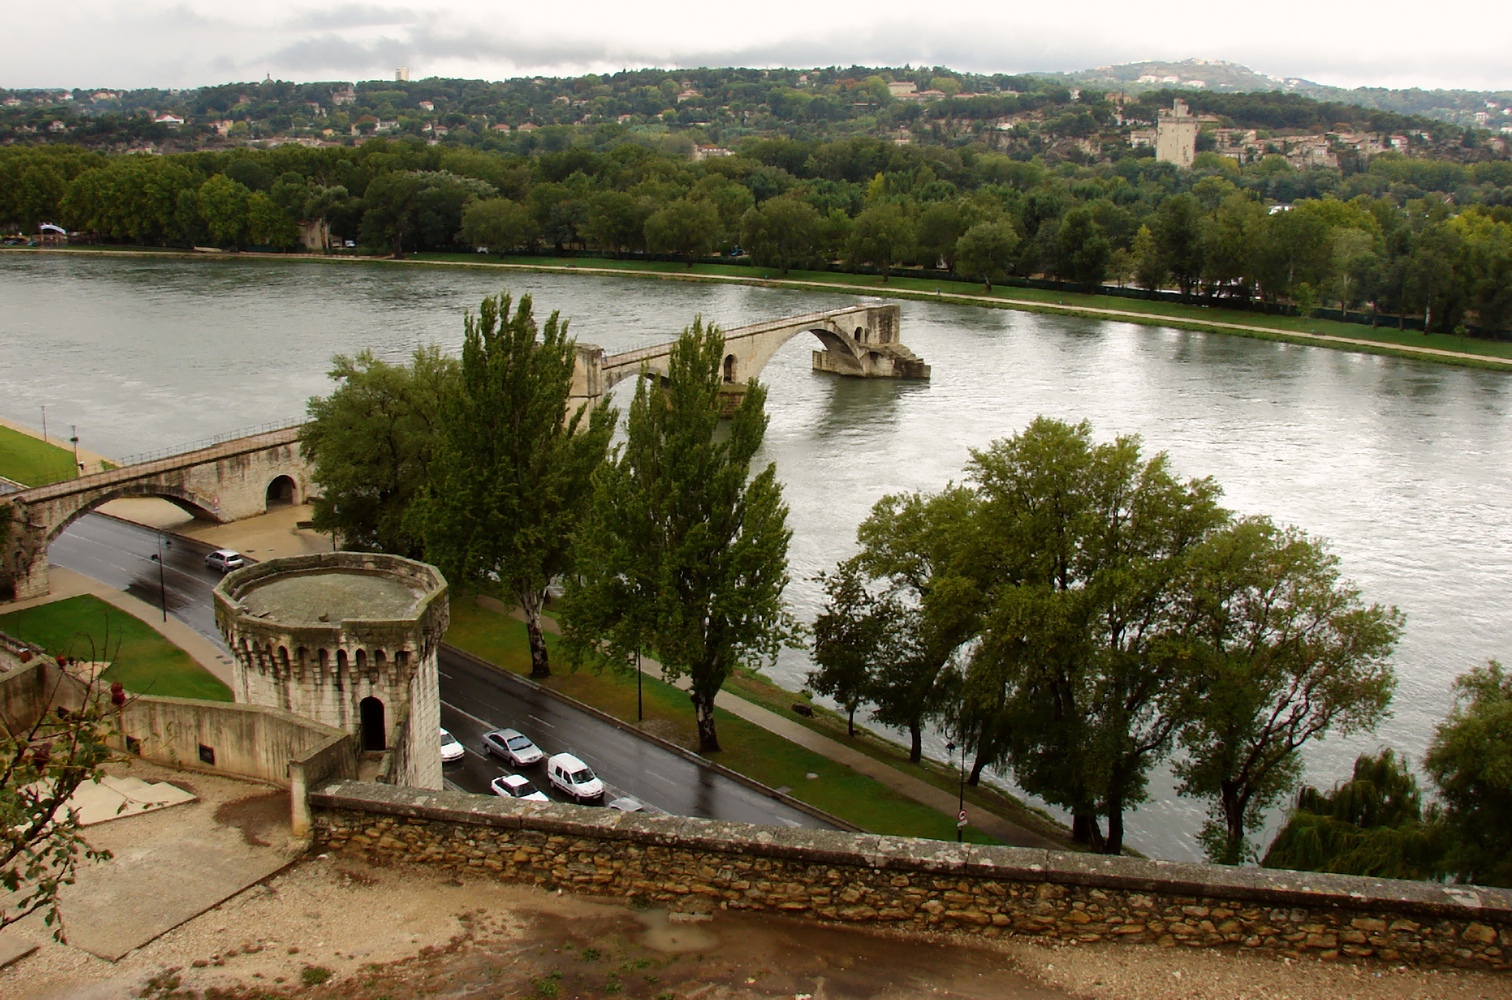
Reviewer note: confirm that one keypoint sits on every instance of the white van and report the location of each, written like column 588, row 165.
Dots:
column 574, row 779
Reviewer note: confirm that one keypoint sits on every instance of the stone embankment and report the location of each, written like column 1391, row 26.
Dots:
column 698, row 865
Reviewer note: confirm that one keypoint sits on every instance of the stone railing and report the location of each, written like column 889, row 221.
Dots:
column 699, row 865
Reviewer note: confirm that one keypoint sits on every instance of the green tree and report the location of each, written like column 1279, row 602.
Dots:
column 685, row 553
column 513, row 469
column 1470, row 761
column 371, row 442
column 1150, row 270
column 1177, row 229
column 268, row 225
column 849, row 640
column 498, row 223
column 1090, row 541
column 223, row 207
column 388, row 216
column 988, row 250
column 940, row 228
column 1371, row 825
column 881, row 236
column 781, row 233
column 1276, row 651
column 683, row 227
column 914, row 543
column 618, row 219
column 1081, row 250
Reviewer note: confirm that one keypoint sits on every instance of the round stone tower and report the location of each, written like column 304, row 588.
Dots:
column 348, row 639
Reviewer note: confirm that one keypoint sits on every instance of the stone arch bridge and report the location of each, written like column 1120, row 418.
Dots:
column 861, row 340
column 226, row 481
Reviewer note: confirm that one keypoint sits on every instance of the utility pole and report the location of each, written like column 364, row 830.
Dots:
column 639, row 705
column 44, row 423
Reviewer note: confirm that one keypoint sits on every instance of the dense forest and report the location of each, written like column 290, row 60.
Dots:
column 1420, row 239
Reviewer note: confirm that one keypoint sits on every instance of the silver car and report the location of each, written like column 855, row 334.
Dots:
column 513, row 746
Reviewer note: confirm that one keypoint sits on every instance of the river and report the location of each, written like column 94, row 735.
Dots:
column 1404, row 465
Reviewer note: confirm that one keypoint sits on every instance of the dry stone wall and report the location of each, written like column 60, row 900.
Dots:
column 700, row 865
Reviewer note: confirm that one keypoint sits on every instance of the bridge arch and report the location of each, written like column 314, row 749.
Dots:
column 198, row 507
column 283, row 491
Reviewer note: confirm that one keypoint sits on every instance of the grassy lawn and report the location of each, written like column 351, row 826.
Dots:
column 755, row 688
column 748, row 748
column 144, row 661
column 32, row 462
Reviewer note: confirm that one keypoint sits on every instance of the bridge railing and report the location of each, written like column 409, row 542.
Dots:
column 209, row 442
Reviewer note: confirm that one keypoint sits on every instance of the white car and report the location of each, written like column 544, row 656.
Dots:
column 513, row 746
column 574, row 779
column 451, row 749
column 224, row 560
column 626, row 804
column 517, row 786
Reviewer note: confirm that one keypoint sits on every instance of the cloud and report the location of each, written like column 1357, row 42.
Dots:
column 351, row 16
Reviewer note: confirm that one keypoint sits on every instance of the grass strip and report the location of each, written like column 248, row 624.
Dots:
column 748, row 749
column 32, row 462
column 755, row 688
column 87, row 628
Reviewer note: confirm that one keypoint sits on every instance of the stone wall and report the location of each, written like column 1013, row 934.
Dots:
column 699, row 865
column 249, row 741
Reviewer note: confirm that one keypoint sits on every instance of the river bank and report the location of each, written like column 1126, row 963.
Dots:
column 1313, row 332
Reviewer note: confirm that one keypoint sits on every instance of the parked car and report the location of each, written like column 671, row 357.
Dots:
column 574, row 779
column 517, row 786
column 224, row 560
column 513, row 746
column 626, row 804
column 451, row 749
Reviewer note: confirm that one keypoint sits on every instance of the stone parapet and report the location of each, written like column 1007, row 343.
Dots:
column 698, row 865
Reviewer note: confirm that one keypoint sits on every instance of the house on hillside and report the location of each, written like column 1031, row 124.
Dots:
column 169, row 119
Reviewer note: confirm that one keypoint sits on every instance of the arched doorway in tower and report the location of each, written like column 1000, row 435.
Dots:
column 373, row 737
column 280, row 492
column 729, row 368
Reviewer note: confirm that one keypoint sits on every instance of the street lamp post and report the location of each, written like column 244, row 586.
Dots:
column 74, row 430
column 44, row 423
column 639, row 706
column 950, row 747
column 157, row 557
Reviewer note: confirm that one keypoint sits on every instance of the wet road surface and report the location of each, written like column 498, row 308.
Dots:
column 474, row 699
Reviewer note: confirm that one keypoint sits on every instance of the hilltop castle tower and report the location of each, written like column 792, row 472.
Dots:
column 1176, row 135
column 348, row 639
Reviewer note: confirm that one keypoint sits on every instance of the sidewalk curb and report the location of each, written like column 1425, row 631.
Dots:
column 686, row 754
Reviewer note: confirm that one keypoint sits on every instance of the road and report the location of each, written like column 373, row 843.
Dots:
column 474, row 699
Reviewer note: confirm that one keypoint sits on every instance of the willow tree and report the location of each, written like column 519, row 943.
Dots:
column 685, row 553
column 512, row 475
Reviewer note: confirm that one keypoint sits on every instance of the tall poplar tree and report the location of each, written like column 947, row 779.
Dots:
column 685, row 553
column 512, row 477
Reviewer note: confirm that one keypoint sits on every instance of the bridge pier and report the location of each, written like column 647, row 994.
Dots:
column 861, row 341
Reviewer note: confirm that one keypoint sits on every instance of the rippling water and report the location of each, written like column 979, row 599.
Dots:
column 1405, row 466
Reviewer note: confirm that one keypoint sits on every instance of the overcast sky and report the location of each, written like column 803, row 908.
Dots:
column 145, row 43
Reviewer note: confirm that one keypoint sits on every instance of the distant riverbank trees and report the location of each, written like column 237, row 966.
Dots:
column 1396, row 239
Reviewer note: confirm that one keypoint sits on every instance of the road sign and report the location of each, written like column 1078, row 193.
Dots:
column 961, row 818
